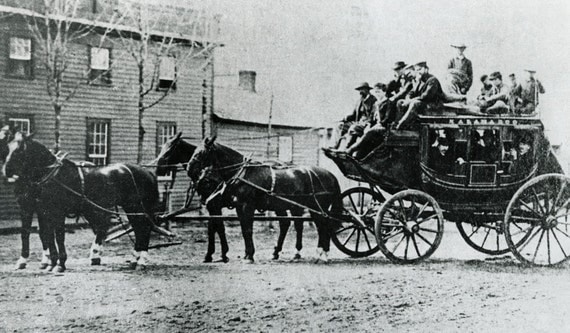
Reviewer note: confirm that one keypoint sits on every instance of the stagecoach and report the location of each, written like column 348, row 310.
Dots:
column 500, row 202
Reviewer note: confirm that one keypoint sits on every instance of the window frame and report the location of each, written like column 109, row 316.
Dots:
column 10, row 61
column 22, row 116
column 159, row 125
column 169, row 84
column 100, row 77
column 281, row 151
column 89, row 122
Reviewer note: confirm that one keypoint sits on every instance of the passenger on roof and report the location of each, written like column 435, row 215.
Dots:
column 515, row 100
column 427, row 95
column 353, row 124
column 497, row 102
column 460, row 70
column 529, row 91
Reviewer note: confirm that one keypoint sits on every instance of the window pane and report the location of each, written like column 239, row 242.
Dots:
column 99, row 58
column 167, row 68
column 20, row 124
column 20, row 48
column 97, row 148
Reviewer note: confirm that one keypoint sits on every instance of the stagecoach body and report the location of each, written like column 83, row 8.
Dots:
column 498, row 203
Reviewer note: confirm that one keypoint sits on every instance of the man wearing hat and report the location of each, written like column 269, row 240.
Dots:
column 440, row 158
column 460, row 71
column 353, row 124
column 523, row 157
column 528, row 92
column 427, row 95
column 497, row 101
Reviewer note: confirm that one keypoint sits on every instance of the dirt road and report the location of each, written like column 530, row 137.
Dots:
column 456, row 290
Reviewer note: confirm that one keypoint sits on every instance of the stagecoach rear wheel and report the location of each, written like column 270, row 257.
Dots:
column 485, row 237
column 356, row 236
column 409, row 227
column 539, row 215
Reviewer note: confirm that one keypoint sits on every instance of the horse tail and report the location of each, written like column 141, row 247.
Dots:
column 336, row 207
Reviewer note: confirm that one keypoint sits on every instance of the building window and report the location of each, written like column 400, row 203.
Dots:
column 20, row 57
column 100, row 65
column 21, row 124
column 164, row 131
column 98, row 141
column 167, row 73
column 285, row 149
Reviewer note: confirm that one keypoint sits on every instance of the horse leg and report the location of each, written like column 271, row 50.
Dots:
column 283, row 228
column 211, row 239
column 142, row 228
column 245, row 214
column 26, row 215
column 321, row 238
column 219, row 228
column 48, row 222
column 43, row 230
column 60, row 239
column 299, row 244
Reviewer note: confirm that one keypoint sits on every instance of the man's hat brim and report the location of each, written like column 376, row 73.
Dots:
column 459, row 46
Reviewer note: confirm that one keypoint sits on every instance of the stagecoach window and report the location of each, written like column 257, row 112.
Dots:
column 167, row 73
column 21, row 124
column 20, row 57
column 100, row 65
column 98, row 141
column 285, row 149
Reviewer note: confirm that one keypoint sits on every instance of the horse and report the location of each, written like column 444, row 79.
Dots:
column 177, row 151
column 26, row 197
column 65, row 188
column 264, row 187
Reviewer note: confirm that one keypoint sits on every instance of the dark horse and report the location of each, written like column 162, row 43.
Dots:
column 177, row 151
column 64, row 188
column 264, row 187
column 26, row 196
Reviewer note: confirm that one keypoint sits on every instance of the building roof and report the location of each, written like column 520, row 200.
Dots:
column 240, row 105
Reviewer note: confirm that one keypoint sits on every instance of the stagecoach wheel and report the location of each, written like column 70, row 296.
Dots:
column 409, row 227
column 356, row 236
column 539, row 215
column 485, row 237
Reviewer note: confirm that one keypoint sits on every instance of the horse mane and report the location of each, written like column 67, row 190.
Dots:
column 227, row 151
column 40, row 152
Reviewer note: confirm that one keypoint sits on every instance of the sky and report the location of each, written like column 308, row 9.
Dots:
column 311, row 54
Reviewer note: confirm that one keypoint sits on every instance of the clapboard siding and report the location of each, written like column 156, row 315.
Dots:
column 116, row 102
column 251, row 139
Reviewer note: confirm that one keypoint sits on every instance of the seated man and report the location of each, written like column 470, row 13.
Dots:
column 353, row 125
column 427, row 95
column 441, row 160
column 528, row 92
column 523, row 158
column 498, row 99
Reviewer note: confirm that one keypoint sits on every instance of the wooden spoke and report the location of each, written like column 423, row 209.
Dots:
column 423, row 208
column 522, row 231
column 349, row 236
column 558, row 196
column 361, row 203
column 353, row 204
column 366, row 238
column 429, row 230
column 548, row 244
column 424, row 239
column 393, row 235
column 546, row 201
column 475, row 231
column 486, row 236
column 425, row 219
column 530, row 238
column 530, row 208
column 357, row 239
column 344, row 229
column 558, row 241
column 398, row 244
column 407, row 245
column 537, row 200
column 565, row 234
column 538, row 246
column 416, row 245
column 497, row 240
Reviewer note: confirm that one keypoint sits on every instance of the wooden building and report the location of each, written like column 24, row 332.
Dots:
column 99, row 123
column 241, row 119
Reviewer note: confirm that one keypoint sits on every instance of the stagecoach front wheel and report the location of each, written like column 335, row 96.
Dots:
column 537, row 221
column 409, row 227
column 356, row 235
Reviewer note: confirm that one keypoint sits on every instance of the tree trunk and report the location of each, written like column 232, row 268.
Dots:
column 57, row 108
column 141, row 114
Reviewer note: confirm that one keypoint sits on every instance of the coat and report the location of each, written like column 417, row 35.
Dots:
column 363, row 110
column 429, row 90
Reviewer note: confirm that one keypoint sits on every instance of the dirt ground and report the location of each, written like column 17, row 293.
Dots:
column 456, row 290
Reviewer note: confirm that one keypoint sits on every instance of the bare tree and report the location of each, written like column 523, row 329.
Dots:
column 161, row 41
column 55, row 25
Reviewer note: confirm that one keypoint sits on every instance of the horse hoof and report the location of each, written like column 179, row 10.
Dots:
column 43, row 266
column 48, row 268
column 225, row 259
column 248, row 261
column 133, row 265
column 95, row 261
column 59, row 269
column 275, row 256
column 297, row 256
column 208, row 259
column 21, row 263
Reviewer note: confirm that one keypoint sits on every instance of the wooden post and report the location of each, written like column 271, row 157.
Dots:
column 269, row 127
